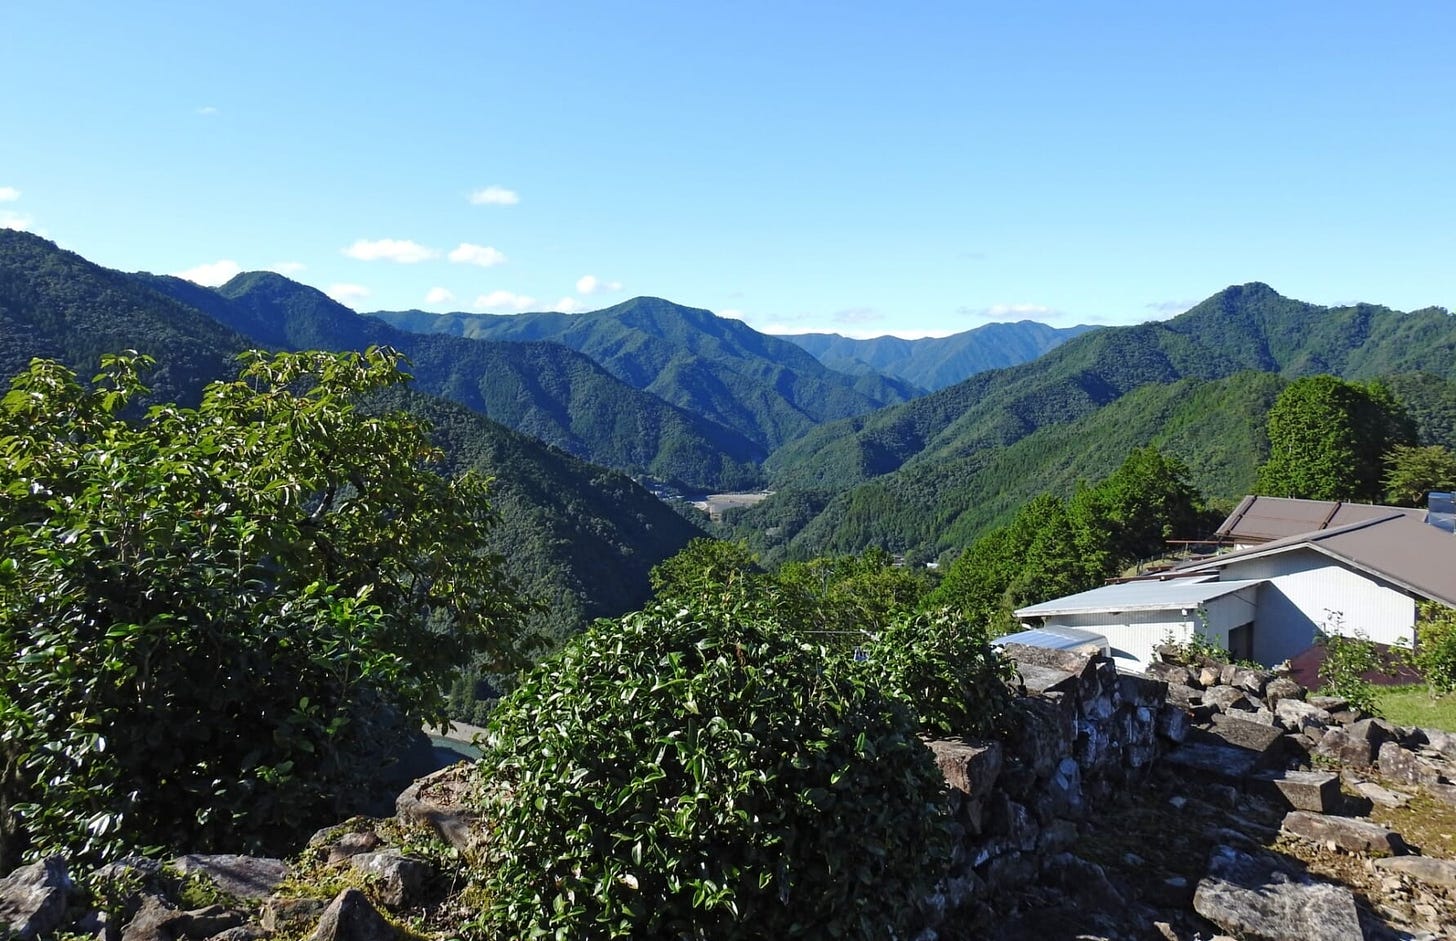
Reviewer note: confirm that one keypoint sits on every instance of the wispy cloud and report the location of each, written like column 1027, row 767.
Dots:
column 1169, row 308
column 591, row 284
column 1010, row 311
column 504, row 300
column 287, row 268
column 494, row 196
column 483, row 255
column 856, row 315
column 347, row 293
column 439, row 296
column 403, row 251
column 14, row 220
column 569, row 305
column 211, row 274
column 208, row 111
column 733, row 314
column 9, row 194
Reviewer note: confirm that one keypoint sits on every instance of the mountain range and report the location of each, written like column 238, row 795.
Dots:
column 678, row 396
column 934, row 363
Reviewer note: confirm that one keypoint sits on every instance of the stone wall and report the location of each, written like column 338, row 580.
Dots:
column 1086, row 732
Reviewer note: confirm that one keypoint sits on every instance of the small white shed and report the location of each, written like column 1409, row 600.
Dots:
column 1137, row 616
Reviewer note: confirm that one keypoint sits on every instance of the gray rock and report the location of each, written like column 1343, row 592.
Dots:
column 1219, row 761
column 1354, row 745
column 1171, row 673
column 437, row 803
column 971, row 769
column 155, row 920
column 1399, row 764
column 1252, row 897
column 1281, row 688
column 1173, row 723
column 1442, row 741
column 33, row 898
column 1329, row 704
column 1381, row 795
column 1314, row 791
column 1347, row 833
column 1227, row 699
column 1252, row 681
column 1296, row 715
column 1446, row 793
column 399, row 878
column 350, row 917
column 290, row 914
column 242, row 877
column 1439, row 872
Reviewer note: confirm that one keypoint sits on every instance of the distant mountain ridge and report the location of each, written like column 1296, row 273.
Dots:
column 767, row 389
column 579, row 536
column 909, row 474
column 545, row 390
column 936, row 362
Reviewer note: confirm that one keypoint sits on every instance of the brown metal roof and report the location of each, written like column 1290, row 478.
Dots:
column 1264, row 519
column 1397, row 547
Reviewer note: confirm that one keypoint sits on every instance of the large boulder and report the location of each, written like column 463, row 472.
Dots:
column 33, row 899
column 242, row 877
column 1253, row 897
column 350, row 917
column 1347, row 833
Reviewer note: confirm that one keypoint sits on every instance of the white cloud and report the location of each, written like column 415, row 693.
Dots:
column 734, row 314
column 591, row 284
column 856, row 315
column 1005, row 311
column 211, row 274
column 9, row 194
column 207, row 111
column 569, row 305
column 494, row 196
column 497, row 300
column 482, row 255
column 398, row 250
column 287, row 267
column 439, row 296
column 1170, row 308
column 347, row 293
column 14, row 220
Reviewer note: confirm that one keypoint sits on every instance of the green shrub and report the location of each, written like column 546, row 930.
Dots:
column 944, row 667
column 1435, row 653
column 208, row 615
column 696, row 772
column 1347, row 660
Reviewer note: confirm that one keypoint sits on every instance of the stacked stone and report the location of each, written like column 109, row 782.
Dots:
column 1084, row 732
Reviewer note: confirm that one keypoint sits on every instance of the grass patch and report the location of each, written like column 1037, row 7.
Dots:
column 1414, row 705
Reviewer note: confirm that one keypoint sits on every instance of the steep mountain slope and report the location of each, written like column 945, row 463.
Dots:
column 56, row 305
column 767, row 389
column 579, row 536
column 544, row 390
column 1244, row 327
column 934, row 363
column 927, row 507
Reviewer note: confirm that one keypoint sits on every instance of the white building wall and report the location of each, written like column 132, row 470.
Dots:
column 1132, row 635
column 1308, row 591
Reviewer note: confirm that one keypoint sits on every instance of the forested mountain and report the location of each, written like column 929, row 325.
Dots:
column 545, row 390
column 763, row 387
column 931, row 473
column 1248, row 327
column 580, row 537
column 56, row 305
column 936, row 362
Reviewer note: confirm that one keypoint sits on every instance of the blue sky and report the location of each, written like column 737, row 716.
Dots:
column 862, row 168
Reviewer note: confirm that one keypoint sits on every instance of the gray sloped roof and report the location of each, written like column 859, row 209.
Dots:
column 1263, row 519
column 1395, row 546
column 1140, row 595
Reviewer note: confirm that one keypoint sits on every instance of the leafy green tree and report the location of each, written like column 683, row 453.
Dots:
column 1412, row 472
column 1327, row 438
column 213, row 620
column 1141, row 505
column 695, row 771
column 854, row 595
column 1435, row 651
column 944, row 667
column 710, row 568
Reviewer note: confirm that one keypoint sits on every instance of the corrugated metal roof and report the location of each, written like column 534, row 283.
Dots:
column 1056, row 638
column 1264, row 519
column 1145, row 595
column 1396, row 547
